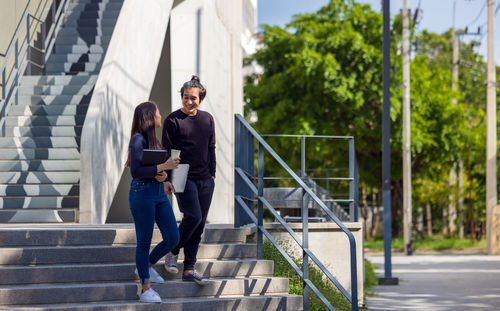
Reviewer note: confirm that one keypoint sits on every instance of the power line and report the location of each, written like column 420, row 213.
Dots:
column 478, row 15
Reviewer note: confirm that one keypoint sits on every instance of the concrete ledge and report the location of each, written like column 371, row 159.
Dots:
column 330, row 245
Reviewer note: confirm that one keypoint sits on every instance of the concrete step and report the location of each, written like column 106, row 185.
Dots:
column 69, row 67
column 44, row 120
column 110, row 254
column 40, row 189
column 82, row 30
column 247, row 303
column 90, row 22
column 96, row 1
column 39, row 165
column 45, row 274
column 11, row 202
column 92, row 14
column 39, row 177
column 74, row 58
column 39, row 142
column 53, row 100
column 108, row 234
column 56, row 90
column 78, row 48
column 89, row 292
column 78, row 6
column 83, row 39
column 43, row 131
column 52, row 110
column 38, row 216
column 58, row 79
column 40, row 154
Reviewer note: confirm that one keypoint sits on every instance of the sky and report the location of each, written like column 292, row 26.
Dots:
column 437, row 15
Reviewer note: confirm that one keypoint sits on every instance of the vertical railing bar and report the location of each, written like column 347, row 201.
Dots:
column 3, row 85
column 44, row 47
column 351, row 182
column 356, row 190
column 260, row 212
column 53, row 11
column 305, row 245
column 16, row 66
column 28, row 41
column 303, row 156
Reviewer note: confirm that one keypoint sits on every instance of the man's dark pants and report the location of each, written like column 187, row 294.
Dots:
column 194, row 202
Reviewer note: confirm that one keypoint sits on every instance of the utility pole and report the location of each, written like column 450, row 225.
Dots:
column 452, row 209
column 407, row 208
column 492, row 211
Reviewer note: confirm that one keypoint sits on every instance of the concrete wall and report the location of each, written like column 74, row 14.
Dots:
column 126, row 79
column 206, row 40
column 331, row 247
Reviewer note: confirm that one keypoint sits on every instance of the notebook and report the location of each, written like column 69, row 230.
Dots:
column 152, row 157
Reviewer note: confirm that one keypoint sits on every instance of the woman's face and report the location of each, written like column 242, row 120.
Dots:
column 191, row 101
column 157, row 118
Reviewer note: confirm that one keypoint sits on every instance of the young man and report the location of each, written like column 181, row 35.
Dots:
column 193, row 132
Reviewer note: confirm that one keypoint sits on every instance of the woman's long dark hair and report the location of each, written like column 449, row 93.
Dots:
column 144, row 123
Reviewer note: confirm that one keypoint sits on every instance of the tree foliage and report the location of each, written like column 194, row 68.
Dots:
column 322, row 75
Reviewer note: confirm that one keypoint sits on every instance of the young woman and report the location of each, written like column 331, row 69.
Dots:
column 148, row 201
column 193, row 132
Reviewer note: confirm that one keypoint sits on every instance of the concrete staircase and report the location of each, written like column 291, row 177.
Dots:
column 39, row 152
column 75, row 267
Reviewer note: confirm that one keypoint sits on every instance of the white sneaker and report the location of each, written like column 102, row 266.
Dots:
column 154, row 277
column 150, row 296
column 171, row 263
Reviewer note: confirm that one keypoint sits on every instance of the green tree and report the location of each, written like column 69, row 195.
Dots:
column 322, row 75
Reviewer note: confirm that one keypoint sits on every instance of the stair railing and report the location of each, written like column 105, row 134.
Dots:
column 246, row 191
column 20, row 52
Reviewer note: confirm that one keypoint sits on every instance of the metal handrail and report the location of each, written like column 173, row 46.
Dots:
column 352, row 169
column 244, row 163
column 22, row 55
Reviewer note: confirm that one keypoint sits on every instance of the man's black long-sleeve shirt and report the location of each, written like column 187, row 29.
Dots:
column 194, row 136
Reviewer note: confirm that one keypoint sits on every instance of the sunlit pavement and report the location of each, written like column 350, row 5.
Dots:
column 439, row 282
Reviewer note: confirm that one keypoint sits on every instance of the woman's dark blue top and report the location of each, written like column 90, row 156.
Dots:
column 137, row 145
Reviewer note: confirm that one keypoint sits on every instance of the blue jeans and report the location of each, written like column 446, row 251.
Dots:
column 149, row 203
column 194, row 202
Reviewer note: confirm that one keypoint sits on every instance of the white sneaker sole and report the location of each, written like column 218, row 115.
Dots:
column 172, row 270
column 144, row 301
column 156, row 281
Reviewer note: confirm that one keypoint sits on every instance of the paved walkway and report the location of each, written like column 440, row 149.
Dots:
column 438, row 283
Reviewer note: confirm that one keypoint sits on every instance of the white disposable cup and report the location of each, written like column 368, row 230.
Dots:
column 174, row 153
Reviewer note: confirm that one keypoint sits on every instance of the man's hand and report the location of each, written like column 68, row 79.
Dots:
column 168, row 188
column 161, row 177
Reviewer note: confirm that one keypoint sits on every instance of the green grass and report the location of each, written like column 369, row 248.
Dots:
column 430, row 244
column 283, row 269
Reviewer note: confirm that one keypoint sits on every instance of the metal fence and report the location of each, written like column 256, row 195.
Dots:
column 20, row 52
column 352, row 177
column 246, row 191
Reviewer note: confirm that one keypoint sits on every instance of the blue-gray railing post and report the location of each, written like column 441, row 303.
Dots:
column 303, row 156
column 351, row 181
column 305, row 245
column 260, row 206
column 243, row 158
column 3, row 84
column 44, row 48
column 53, row 12
column 356, row 191
column 28, row 51
column 16, row 65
